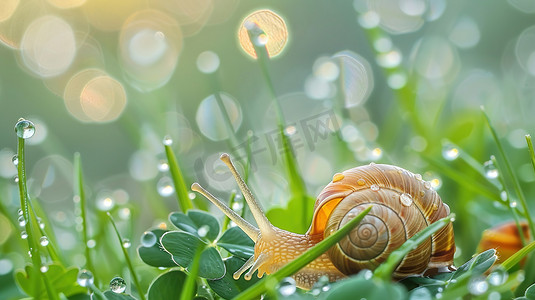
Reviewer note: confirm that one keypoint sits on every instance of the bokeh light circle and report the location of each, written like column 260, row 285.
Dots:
column 356, row 77
column 525, row 50
column 211, row 120
column 434, row 58
column 48, row 46
column 208, row 62
column 7, row 8
column 149, row 45
column 272, row 25
column 73, row 91
column 103, row 99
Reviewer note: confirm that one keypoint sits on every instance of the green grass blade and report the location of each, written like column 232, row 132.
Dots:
column 304, row 259
column 184, row 201
column 514, row 179
column 508, row 201
column 531, row 152
column 79, row 191
column 296, row 183
column 25, row 204
column 189, row 286
column 385, row 270
column 127, row 259
column 517, row 257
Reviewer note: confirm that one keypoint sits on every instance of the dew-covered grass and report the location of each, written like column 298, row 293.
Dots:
column 97, row 193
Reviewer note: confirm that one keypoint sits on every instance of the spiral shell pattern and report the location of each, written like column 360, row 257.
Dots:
column 403, row 204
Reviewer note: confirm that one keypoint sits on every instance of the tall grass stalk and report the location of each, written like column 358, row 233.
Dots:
column 188, row 289
column 127, row 259
column 296, row 183
column 25, row 205
column 514, row 179
column 508, row 201
column 184, row 202
column 80, row 192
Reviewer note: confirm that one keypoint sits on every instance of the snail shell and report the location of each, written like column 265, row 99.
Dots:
column 404, row 204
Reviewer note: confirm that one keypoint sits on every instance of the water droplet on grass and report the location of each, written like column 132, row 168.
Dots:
column 165, row 186
column 23, row 235
column 43, row 241
column 498, row 277
column 126, row 243
column 449, row 152
column 16, row 179
column 148, row 239
column 22, row 221
column 167, row 140
column 24, row 129
column 85, row 278
column 478, row 286
column 117, row 285
column 15, row 160
column 490, row 170
column 43, row 268
column 287, row 287
column 91, row 244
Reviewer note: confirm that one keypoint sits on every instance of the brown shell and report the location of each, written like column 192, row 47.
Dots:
column 403, row 204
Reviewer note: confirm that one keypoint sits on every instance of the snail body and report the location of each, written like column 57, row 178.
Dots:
column 402, row 205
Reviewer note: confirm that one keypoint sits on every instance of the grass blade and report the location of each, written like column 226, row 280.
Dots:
column 514, row 179
column 189, row 286
column 128, row 261
column 79, row 191
column 311, row 254
column 385, row 270
column 184, row 201
column 517, row 257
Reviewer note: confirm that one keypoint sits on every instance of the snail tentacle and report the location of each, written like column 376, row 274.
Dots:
column 263, row 223
column 247, row 227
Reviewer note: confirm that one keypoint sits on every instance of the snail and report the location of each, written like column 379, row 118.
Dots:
column 403, row 204
column 505, row 238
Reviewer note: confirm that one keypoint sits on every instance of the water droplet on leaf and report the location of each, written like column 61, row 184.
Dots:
column 85, row 278
column 117, row 285
column 148, row 239
column 203, row 230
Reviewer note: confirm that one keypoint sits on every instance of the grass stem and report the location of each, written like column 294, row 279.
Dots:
column 514, row 179
column 128, row 261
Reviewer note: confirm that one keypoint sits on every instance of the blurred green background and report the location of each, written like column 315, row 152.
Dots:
column 422, row 70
